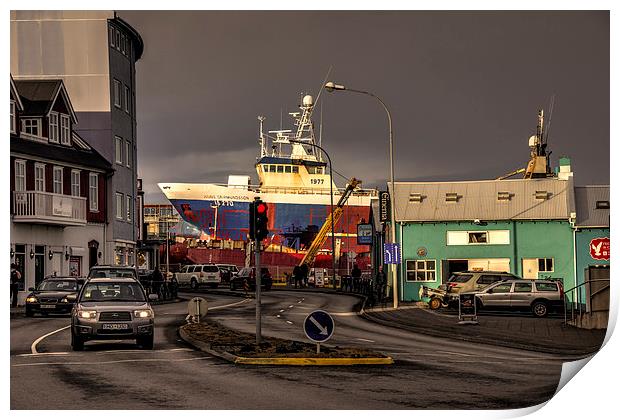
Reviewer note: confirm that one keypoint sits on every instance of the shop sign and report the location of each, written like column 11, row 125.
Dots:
column 384, row 206
column 599, row 249
column 364, row 234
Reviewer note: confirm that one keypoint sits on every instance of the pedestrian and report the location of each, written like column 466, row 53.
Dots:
column 158, row 281
column 16, row 276
column 381, row 283
column 297, row 275
column 304, row 274
column 356, row 273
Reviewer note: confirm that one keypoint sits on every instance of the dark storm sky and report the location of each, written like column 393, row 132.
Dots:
column 463, row 89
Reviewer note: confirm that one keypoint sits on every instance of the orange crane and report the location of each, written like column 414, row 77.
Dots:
column 320, row 237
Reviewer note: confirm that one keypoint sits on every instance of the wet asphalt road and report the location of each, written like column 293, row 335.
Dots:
column 429, row 372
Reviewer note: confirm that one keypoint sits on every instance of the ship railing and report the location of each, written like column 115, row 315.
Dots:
column 309, row 191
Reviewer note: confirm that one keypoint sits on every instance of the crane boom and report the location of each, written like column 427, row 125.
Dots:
column 320, row 237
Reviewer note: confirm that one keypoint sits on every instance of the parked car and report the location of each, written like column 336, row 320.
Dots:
column 113, row 271
column 539, row 296
column 248, row 274
column 227, row 271
column 112, row 308
column 53, row 295
column 196, row 275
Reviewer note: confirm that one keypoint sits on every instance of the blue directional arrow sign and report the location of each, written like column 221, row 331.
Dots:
column 319, row 326
column 391, row 253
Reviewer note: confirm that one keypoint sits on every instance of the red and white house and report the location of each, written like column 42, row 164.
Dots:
column 58, row 185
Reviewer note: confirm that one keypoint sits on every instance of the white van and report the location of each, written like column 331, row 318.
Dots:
column 198, row 274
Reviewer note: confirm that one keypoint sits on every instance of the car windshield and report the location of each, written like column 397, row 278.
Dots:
column 112, row 291
column 460, row 278
column 58, row 285
column 100, row 273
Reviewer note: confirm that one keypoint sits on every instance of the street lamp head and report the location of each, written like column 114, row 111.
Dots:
column 331, row 86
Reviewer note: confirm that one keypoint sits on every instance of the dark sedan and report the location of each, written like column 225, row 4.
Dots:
column 54, row 295
column 248, row 275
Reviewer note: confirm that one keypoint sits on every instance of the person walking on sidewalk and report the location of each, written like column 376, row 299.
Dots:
column 16, row 276
column 356, row 273
column 297, row 276
column 381, row 283
column 158, row 282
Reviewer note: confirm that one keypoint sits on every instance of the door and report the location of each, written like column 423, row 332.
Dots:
column 521, row 296
column 530, row 268
column 598, row 291
column 499, row 296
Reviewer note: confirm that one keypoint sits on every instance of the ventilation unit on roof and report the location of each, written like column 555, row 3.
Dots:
column 452, row 197
column 541, row 195
column 602, row 204
column 504, row 196
column 416, row 198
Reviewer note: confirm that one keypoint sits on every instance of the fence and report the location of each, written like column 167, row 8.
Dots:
column 589, row 306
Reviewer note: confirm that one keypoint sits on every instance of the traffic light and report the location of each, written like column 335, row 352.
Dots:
column 258, row 220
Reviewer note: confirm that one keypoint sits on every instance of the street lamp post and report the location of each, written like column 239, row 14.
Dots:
column 330, row 87
column 331, row 201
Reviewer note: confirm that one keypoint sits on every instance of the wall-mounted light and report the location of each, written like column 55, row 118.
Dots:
column 99, row 254
column 66, row 256
column 31, row 254
column 50, row 255
column 12, row 253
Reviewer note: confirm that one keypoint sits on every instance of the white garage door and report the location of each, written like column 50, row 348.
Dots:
column 492, row 264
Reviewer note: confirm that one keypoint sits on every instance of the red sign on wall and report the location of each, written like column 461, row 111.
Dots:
column 599, row 248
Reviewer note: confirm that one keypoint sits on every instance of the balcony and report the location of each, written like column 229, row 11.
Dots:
column 46, row 208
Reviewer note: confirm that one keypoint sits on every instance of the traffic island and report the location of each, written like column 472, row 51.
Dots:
column 241, row 348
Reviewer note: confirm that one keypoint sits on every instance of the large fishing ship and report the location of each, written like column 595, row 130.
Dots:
column 293, row 178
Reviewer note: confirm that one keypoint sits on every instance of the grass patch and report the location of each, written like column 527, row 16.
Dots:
column 221, row 338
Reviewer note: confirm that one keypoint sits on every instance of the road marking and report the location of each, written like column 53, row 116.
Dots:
column 451, row 353
column 363, row 339
column 281, row 310
column 290, row 306
column 299, row 301
column 343, row 313
column 289, row 322
column 33, row 348
column 109, row 362
column 141, row 351
column 230, row 304
column 278, row 316
column 58, row 353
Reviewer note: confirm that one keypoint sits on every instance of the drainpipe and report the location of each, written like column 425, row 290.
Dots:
column 574, row 229
column 514, row 248
column 402, row 265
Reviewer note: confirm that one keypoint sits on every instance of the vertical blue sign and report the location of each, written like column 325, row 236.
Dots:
column 391, row 253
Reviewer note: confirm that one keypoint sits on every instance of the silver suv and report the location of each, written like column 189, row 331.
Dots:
column 539, row 296
column 112, row 308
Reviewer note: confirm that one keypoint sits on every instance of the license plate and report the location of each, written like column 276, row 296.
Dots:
column 48, row 306
column 115, row 326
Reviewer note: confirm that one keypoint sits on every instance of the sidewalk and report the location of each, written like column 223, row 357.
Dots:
column 547, row 335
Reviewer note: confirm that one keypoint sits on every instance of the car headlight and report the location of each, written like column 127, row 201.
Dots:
column 143, row 313
column 87, row 314
column 31, row 299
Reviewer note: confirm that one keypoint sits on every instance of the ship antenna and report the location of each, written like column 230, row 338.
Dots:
column 552, row 103
column 321, row 134
column 318, row 96
column 263, row 151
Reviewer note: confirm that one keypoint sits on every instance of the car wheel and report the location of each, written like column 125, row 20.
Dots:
column 146, row 343
column 194, row 284
column 540, row 309
column 77, row 344
column 29, row 313
column 435, row 303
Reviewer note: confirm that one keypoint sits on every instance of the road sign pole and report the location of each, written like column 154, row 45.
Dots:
column 318, row 348
column 257, row 285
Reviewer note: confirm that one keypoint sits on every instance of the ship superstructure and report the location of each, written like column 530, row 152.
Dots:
column 293, row 179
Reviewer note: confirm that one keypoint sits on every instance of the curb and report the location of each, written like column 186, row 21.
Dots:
column 482, row 340
column 284, row 361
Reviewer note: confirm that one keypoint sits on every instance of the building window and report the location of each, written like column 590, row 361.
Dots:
column 13, row 117
column 65, row 129
column 420, row 270
column 75, row 183
column 118, row 150
column 119, row 206
column 53, row 129
column 39, row 177
column 32, row 126
column 123, row 42
column 57, row 180
column 118, row 100
column 112, row 37
column 127, row 98
column 545, row 264
column 118, row 39
column 20, row 175
column 129, row 207
column 93, row 191
column 478, row 237
column 128, row 154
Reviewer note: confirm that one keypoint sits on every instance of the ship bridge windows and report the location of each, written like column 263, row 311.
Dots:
column 280, row 169
column 316, row 170
column 287, row 169
column 295, row 169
